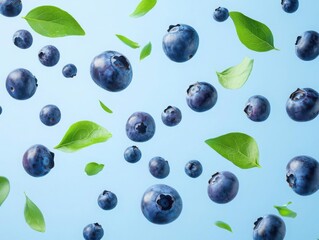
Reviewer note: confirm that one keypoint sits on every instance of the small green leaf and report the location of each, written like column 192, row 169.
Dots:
column 51, row 21
column 4, row 189
column 82, row 134
column 128, row 41
column 236, row 76
column 146, row 51
column 93, row 168
column 253, row 34
column 33, row 216
column 285, row 212
column 143, row 7
column 223, row 225
column 105, row 108
column 239, row 148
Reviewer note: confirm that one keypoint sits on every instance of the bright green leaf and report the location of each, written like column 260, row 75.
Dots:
column 51, row 21
column 33, row 216
column 239, row 148
column 143, row 7
column 4, row 189
column 253, row 34
column 285, row 212
column 223, row 225
column 236, row 76
column 128, row 41
column 93, row 168
column 105, row 108
column 146, row 51
column 82, row 134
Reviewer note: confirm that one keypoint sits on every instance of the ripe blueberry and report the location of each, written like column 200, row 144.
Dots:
column 69, row 70
column 159, row 167
column 303, row 175
column 21, row 84
column 10, row 8
column 257, row 108
column 223, row 187
column 269, row 227
column 50, row 115
column 107, row 200
column 201, row 96
column 193, row 168
column 93, row 231
column 303, row 104
column 140, row 127
column 132, row 154
column 307, row 45
column 22, row 39
column 111, row 71
column 221, row 14
column 171, row 116
column 49, row 55
column 38, row 160
column 289, row 6
column 161, row 204
column 180, row 43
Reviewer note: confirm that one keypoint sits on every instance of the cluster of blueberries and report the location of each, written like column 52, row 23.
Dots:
column 112, row 71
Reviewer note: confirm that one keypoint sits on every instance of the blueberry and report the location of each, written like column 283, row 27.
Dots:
column 171, row 116
column 303, row 104
column 221, row 14
column 161, row 204
column 223, row 187
column 50, row 115
column 257, row 108
column 180, row 43
column 201, row 96
column 140, row 127
column 289, row 6
column 307, row 45
column 0, row 110
column 38, row 160
column 49, row 55
column 21, row 84
column 132, row 154
column 107, row 200
column 22, row 39
column 303, row 175
column 10, row 8
column 269, row 227
column 69, row 70
column 193, row 168
column 159, row 167
column 111, row 71
column 93, row 231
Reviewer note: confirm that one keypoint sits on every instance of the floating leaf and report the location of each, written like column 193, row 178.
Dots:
column 4, row 189
column 128, row 41
column 82, row 134
column 146, row 51
column 105, row 108
column 239, row 148
column 93, row 168
column 33, row 216
column 51, row 21
column 285, row 212
column 253, row 34
column 143, row 7
column 223, row 225
column 236, row 76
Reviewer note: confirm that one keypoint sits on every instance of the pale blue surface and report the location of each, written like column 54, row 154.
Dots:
column 68, row 198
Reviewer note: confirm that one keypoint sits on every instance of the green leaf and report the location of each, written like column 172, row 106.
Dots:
column 105, row 108
column 4, row 189
column 93, row 168
column 82, row 134
column 143, row 7
column 253, row 34
column 146, row 51
column 33, row 216
column 51, row 21
column 128, row 41
column 236, row 76
column 239, row 148
column 223, row 225
column 285, row 212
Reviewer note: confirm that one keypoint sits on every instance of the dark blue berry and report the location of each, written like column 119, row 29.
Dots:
column 193, row 168
column 107, row 200
column 93, row 231
column 221, row 14
column 22, row 39
column 159, row 167
column 257, row 108
column 171, row 116
column 140, row 127
column 49, row 55
column 50, row 115
column 289, row 6
column 69, row 70
column 269, row 227
column 10, row 8
column 307, row 45
column 132, row 154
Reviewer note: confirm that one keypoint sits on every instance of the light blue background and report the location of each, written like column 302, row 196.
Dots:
column 68, row 197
